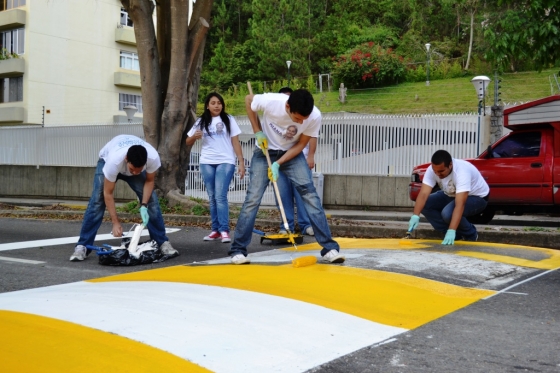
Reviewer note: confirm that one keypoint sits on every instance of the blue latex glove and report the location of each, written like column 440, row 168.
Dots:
column 144, row 214
column 449, row 237
column 261, row 140
column 273, row 172
column 413, row 223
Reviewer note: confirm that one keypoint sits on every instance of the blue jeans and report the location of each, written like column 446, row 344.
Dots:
column 216, row 180
column 297, row 171
column 287, row 193
column 439, row 210
column 93, row 216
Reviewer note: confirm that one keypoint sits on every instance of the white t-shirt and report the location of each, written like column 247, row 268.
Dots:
column 464, row 177
column 281, row 131
column 114, row 154
column 217, row 149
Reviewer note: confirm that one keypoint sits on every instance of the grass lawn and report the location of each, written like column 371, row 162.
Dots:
column 441, row 96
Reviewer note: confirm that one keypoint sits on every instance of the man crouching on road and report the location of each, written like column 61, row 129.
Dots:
column 281, row 111
column 463, row 193
column 133, row 160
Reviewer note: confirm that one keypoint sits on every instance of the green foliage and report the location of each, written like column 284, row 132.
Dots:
column 199, row 210
column 369, row 65
column 524, row 30
column 5, row 55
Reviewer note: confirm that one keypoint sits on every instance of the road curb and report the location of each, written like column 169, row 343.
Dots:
column 548, row 238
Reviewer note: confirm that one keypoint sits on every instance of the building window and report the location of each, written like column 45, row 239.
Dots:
column 9, row 4
column 126, row 99
column 125, row 19
column 13, row 41
column 129, row 61
column 11, row 89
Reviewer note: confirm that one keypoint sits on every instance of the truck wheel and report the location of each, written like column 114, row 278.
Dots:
column 484, row 217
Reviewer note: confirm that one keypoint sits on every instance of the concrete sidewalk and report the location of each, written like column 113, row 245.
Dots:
column 529, row 230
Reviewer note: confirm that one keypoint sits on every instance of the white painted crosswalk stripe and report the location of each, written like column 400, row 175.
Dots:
column 221, row 329
column 65, row 240
column 26, row 261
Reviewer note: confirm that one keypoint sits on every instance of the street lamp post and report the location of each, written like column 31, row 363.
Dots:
column 130, row 110
column 480, row 84
column 288, row 63
column 428, row 64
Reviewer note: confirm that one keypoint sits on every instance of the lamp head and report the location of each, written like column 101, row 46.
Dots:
column 130, row 110
column 480, row 84
column 428, row 45
column 288, row 63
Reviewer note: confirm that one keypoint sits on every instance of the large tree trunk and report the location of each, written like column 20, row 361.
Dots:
column 170, row 73
column 150, row 74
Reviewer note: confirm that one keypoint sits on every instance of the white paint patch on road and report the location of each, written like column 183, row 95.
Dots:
column 224, row 330
column 65, row 240
column 277, row 256
column 487, row 274
column 26, row 261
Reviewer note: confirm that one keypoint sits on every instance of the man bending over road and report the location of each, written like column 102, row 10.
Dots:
column 133, row 160
column 463, row 193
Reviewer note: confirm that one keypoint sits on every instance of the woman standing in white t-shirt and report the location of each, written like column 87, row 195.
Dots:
column 220, row 144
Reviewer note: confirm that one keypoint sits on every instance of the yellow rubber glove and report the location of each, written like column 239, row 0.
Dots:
column 273, row 172
column 261, row 140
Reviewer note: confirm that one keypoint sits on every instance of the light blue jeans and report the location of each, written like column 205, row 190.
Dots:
column 288, row 193
column 297, row 171
column 439, row 210
column 93, row 216
column 216, row 180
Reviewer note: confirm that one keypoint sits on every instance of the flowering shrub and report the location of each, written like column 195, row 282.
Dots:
column 369, row 65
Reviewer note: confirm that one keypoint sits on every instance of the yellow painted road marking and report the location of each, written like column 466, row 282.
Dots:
column 31, row 343
column 389, row 298
column 552, row 261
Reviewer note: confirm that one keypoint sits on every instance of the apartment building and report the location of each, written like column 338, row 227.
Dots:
column 66, row 62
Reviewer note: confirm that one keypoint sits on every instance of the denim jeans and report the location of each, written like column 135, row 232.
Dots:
column 288, row 193
column 93, row 216
column 216, row 180
column 439, row 210
column 297, row 171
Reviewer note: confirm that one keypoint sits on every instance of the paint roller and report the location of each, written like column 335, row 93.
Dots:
column 301, row 261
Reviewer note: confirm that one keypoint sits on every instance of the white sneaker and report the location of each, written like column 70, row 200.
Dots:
column 167, row 249
column 240, row 259
column 80, row 253
column 309, row 231
column 334, row 256
column 282, row 231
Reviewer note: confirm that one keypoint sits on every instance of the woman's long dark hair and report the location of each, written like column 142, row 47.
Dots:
column 206, row 117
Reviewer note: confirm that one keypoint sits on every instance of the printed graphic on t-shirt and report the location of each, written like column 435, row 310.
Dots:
column 219, row 129
column 448, row 186
column 290, row 132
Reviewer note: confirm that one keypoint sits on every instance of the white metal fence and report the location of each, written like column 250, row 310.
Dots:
column 348, row 144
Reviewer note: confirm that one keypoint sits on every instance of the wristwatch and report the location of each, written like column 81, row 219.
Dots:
column 144, row 204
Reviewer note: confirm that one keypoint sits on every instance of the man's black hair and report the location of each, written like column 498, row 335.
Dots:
column 441, row 156
column 301, row 102
column 137, row 155
column 285, row 90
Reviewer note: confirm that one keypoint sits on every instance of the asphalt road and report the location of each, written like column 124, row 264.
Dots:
column 513, row 331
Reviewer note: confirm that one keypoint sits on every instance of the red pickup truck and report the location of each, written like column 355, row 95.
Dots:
column 523, row 167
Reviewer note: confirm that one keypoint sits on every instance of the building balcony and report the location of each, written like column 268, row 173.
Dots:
column 12, row 18
column 12, row 67
column 125, row 35
column 126, row 79
column 11, row 114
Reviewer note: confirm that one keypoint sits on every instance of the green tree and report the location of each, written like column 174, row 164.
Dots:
column 527, row 29
column 170, row 64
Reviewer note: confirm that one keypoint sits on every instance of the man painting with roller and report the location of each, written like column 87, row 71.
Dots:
column 463, row 193
column 281, row 111
column 133, row 160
